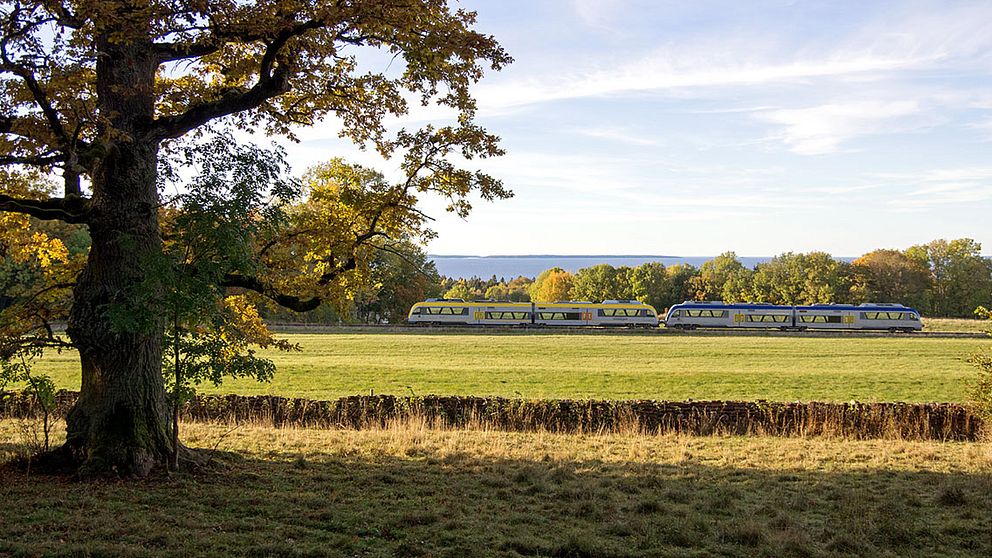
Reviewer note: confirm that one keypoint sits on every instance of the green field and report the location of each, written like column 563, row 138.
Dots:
column 621, row 366
column 412, row 491
column 956, row 324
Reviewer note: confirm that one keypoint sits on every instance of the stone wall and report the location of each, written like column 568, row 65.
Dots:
column 913, row 421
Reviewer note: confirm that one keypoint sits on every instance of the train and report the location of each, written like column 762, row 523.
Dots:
column 609, row 313
column 687, row 315
column 869, row 316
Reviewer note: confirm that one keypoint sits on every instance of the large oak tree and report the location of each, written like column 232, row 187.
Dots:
column 91, row 91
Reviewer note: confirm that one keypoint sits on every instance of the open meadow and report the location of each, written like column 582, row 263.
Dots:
column 531, row 364
column 409, row 490
column 961, row 325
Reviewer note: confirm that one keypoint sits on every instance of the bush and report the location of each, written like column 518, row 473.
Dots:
column 981, row 392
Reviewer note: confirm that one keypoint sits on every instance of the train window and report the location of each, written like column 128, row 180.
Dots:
column 768, row 318
column 888, row 316
column 706, row 313
column 507, row 315
column 450, row 311
column 676, row 313
column 620, row 312
column 814, row 319
column 559, row 315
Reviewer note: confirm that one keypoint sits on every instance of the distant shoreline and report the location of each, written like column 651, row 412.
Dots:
column 545, row 256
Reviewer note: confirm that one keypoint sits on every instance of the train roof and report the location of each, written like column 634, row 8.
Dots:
column 732, row 305
column 865, row 307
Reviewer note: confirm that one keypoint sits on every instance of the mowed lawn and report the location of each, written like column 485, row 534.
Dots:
column 619, row 366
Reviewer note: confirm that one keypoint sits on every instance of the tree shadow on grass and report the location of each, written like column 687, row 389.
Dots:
column 460, row 505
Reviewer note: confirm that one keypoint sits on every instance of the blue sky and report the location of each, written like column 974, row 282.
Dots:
column 691, row 128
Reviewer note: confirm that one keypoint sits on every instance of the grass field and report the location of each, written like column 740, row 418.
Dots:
column 535, row 365
column 956, row 324
column 409, row 491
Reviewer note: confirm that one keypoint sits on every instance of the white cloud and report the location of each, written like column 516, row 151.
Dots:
column 664, row 70
column 940, row 187
column 597, row 13
column 619, row 135
column 821, row 129
column 935, row 37
column 946, row 194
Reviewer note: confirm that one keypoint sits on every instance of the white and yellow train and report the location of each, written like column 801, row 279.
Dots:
column 455, row 311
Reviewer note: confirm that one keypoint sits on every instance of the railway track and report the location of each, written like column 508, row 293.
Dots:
column 593, row 330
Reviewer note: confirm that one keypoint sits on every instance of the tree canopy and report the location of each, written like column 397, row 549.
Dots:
column 95, row 99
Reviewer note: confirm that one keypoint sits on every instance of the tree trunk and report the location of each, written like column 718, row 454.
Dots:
column 120, row 424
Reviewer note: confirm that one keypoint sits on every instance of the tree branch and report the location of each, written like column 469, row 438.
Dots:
column 40, row 97
column 64, row 16
column 170, row 52
column 294, row 303
column 31, row 160
column 273, row 80
column 69, row 210
column 416, row 267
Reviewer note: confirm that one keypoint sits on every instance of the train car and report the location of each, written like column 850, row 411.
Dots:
column 893, row 317
column 625, row 313
column 868, row 316
column 455, row 311
column 494, row 312
column 564, row 313
column 693, row 314
column 609, row 313
column 441, row 311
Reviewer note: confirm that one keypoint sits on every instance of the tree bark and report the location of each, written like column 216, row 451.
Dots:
column 120, row 424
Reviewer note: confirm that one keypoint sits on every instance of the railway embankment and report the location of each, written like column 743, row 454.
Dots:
column 594, row 330
column 911, row 421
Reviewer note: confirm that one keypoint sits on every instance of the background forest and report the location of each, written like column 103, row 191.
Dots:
column 941, row 278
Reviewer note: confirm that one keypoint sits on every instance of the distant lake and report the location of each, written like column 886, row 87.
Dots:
column 509, row 267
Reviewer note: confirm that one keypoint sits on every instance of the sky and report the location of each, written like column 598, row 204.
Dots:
column 693, row 128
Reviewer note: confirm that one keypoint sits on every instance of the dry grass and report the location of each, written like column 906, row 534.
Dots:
column 412, row 489
column 962, row 325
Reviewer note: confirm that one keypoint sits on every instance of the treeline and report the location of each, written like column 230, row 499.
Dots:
column 940, row 278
